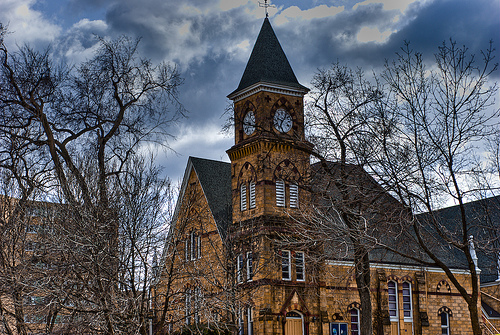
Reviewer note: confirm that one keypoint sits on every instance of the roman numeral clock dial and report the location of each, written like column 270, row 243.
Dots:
column 282, row 121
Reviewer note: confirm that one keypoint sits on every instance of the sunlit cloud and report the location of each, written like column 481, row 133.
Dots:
column 367, row 34
column 26, row 24
column 294, row 12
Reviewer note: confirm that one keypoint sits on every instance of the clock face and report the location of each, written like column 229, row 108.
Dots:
column 249, row 123
column 282, row 120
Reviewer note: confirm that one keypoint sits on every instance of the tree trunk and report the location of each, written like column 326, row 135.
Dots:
column 362, row 269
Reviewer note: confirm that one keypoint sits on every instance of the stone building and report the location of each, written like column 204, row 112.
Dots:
column 235, row 259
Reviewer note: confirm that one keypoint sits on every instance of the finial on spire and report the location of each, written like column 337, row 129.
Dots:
column 266, row 6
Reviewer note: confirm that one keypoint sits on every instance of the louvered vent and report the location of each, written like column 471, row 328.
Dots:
column 243, row 196
column 252, row 194
column 280, row 193
column 294, row 196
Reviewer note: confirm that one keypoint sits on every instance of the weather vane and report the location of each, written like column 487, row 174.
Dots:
column 266, row 6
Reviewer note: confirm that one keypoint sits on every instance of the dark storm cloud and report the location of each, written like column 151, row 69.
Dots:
column 319, row 42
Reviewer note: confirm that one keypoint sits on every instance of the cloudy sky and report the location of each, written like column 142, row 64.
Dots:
column 211, row 40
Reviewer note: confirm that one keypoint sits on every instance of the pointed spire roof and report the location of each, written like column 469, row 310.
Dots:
column 268, row 63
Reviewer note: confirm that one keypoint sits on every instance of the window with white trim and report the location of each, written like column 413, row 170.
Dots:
column 188, row 297
column 187, row 249
column 445, row 323
column 193, row 246
column 239, row 268
column 299, row 266
column 407, row 302
column 243, row 197
column 294, row 196
column 252, row 195
column 197, row 304
column 392, row 290
column 241, row 328
column 354, row 312
column 285, row 265
column 280, row 193
column 249, row 265
column 250, row 321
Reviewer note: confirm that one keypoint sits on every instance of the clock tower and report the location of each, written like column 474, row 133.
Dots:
column 269, row 160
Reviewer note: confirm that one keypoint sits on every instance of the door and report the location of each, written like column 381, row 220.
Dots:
column 293, row 325
column 394, row 328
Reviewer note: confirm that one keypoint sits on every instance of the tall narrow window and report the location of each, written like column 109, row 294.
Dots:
column 243, row 197
column 252, row 194
column 199, row 246
column 354, row 321
column 197, row 304
column 445, row 323
column 280, row 193
column 188, row 248
column 393, row 300
column 285, row 265
column 250, row 321
column 239, row 268
column 249, row 266
column 188, row 306
column 294, row 196
column 241, row 329
column 299, row 265
column 194, row 246
column 407, row 303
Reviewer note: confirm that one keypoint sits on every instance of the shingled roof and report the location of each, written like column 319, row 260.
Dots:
column 268, row 62
column 215, row 180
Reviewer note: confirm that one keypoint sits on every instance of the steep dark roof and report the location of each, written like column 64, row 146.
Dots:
column 483, row 218
column 215, row 180
column 268, row 62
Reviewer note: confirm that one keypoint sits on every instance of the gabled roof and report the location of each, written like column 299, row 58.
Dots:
column 483, row 218
column 268, row 63
column 215, row 180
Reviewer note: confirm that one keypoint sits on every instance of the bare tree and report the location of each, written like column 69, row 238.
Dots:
column 443, row 115
column 83, row 126
column 341, row 114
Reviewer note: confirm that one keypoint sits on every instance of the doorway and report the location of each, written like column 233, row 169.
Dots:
column 294, row 323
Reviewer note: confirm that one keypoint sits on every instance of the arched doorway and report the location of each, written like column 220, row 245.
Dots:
column 294, row 323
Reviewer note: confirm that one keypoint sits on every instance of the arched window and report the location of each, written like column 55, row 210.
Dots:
column 393, row 300
column 354, row 312
column 445, row 323
column 445, row 314
column 252, row 194
column 243, row 197
column 280, row 193
column 407, row 302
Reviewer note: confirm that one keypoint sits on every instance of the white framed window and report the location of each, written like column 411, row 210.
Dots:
column 198, row 237
column 249, row 266
column 194, row 246
column 280, row 193
column 445, row 323
column 197, row 304
column 252, row 195
column 250, row 321
column 407, row 302
column 285, row 265
column 392, row 290
column 187, row 249
column 241, row 328
column 354, row 313
column 299, row 266
column 243, row 197
column 294, row 196
column 188, row 298
column 239, row 268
